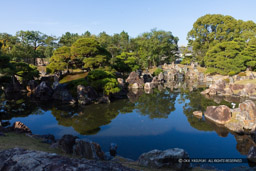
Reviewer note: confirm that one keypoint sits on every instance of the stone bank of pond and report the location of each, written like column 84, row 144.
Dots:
column 143, row 122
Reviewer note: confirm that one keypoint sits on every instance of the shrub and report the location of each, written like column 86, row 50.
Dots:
column 103, row 81
column 241, row 74
column 227, row 80
column 157, row 72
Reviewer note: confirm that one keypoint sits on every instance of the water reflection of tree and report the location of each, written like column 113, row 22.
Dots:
column 157, row 104
column 88, row 119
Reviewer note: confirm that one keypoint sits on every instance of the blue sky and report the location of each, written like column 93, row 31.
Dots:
column 55, row 17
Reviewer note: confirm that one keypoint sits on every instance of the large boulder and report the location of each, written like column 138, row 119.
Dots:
column 66, row 143
column 103, row 99
column 43, row 91
column 91, row 93
column 62, row 94
column 252, row 154
column 20, row 127
column 87, row 149
column 250, row 88
column 134, row 79
column 168, row 158
column 20, row 159
column 235, row 87
column 244, row 118
column 218, row 114
column 12, row 88
column 161, row 77
column 148, row 86
column 113, row 149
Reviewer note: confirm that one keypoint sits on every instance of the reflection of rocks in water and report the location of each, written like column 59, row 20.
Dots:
column 160, row 87
column 244, row 143
column 220, row 130
column 134, row 94
column 148, row 91
column 231, row 99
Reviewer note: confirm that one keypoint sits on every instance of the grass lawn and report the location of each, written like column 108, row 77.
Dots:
column 12, row 140
column 73, row 77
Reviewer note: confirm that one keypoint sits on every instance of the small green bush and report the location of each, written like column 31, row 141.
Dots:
column 103, row 81
column 227, row 80
column 157, row 72
column 241, row 74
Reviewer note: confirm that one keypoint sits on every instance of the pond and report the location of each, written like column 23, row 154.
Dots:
column 160, row 120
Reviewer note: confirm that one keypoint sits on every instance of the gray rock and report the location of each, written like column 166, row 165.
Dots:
column 113, row 149
column 168, row 158
column 135, row 78
column 24, row 160
column 103, row 99
column 66, row 143
column 43, row 91
column 218, row 114
column 252, row 154
column 82, row 97
column 62, row 94
column 148, row 86
column 88, row 150
column 160, row 76
column 55, row 85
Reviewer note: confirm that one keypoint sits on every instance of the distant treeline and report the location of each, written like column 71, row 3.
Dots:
column 72, row 50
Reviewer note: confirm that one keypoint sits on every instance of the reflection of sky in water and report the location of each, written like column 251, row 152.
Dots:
column 135, row 134
column 132, row 124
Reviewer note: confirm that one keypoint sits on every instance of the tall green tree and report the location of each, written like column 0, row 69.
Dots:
column 68, row 39
column 156, row 47
column 31, row 39
column 126, row 62
column 225, row 58
column 249, row 54
column 61, row 60
column 89, row 51
column 211, row 29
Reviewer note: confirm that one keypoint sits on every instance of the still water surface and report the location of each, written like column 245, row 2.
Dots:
column 141, row 123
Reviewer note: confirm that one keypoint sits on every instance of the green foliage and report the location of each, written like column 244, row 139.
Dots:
column 126, row 62
column 60, row 59
column 157, row 104
column 241, row 74
column 249, row 54
column 156, row 47
column 68, row 39
column 25, row 71
column 157, row 71
column 225, row 58
column 103, row 81
column 5, row 67
column 89, row 51
column 212, row 29
column 186, row 61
